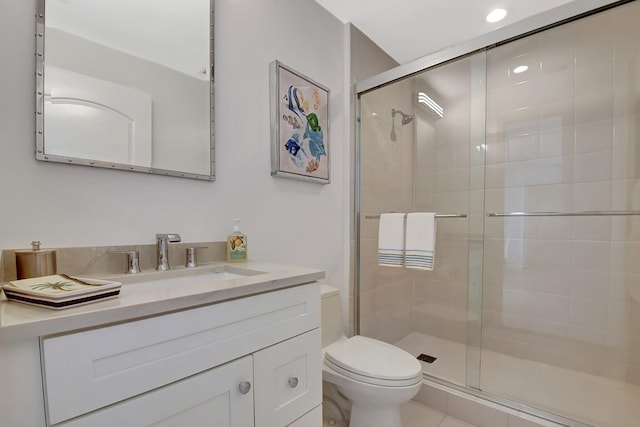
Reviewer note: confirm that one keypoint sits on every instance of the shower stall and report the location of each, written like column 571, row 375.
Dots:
column 529, row 152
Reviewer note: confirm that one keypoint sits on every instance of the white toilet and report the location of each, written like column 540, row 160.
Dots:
column 375, row 376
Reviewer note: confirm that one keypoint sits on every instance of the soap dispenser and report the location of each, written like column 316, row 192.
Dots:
column 236, row 244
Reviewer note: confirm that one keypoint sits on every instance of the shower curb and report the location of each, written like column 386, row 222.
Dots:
column 483, row 410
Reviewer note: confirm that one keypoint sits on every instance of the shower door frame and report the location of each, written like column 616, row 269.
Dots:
column 552, row 18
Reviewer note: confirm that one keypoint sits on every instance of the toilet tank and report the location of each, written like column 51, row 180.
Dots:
column 331, row 310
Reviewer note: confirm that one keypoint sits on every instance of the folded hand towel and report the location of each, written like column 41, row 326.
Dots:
column 391, row 240
column 421, row 240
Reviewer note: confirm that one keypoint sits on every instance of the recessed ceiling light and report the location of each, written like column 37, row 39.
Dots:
column 496, row 15
column 520, row 69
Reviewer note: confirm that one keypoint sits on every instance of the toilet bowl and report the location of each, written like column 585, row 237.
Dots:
column 375, row 376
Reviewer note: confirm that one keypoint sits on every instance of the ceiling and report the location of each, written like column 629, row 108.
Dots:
column 409, row 29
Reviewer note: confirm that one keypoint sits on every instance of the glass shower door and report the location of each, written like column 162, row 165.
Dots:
column 422, row 148
column 561, row 277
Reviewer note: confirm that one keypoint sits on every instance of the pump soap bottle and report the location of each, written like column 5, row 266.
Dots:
column 236, row 244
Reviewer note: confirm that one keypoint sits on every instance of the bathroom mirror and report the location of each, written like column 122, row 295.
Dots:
column 126, row 85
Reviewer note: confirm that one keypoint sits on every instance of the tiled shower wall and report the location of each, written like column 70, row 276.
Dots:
column 564, row 136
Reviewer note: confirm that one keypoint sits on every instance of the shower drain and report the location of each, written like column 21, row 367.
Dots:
column 427, row 358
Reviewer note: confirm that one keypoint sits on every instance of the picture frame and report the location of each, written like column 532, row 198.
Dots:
column 299, row 126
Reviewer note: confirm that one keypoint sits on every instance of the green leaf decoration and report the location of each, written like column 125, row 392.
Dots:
column 56, row 286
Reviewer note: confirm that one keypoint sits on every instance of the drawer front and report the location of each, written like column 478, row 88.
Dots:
column 288, row 379
column 88, row 370
column 212, row 397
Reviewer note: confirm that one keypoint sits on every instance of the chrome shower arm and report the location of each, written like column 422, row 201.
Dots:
column 406, row 118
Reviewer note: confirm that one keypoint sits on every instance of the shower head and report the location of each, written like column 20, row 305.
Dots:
column 406, row 118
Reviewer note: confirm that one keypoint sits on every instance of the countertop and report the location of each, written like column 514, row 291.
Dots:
column 152, row 293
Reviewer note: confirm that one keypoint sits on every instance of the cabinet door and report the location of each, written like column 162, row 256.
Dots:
column 312, row 418
column 288, row 379
column 220, row 397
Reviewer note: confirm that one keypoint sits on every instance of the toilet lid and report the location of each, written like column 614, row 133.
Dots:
column 374, row 359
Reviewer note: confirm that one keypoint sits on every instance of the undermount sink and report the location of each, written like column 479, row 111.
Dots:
column 181, row 276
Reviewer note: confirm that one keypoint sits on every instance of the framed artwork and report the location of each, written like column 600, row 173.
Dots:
column 299, row 126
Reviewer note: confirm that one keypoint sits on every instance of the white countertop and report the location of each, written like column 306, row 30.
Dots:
column 151, row 293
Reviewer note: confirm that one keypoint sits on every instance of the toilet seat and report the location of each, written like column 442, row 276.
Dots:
column 373, row 362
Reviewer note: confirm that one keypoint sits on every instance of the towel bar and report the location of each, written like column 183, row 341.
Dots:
column 583, row 213
column 453, row 215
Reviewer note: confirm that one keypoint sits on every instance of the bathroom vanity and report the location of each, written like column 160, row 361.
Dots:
column 218, row 345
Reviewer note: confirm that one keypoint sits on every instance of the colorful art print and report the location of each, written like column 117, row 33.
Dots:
column 299, row 126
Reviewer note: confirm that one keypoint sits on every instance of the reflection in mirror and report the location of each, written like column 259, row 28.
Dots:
column 126, row 84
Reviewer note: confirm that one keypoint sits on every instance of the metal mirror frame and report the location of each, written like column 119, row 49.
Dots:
column 40, row 153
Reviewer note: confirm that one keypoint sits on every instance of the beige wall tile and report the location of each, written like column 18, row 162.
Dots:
column 591, row 255
column 557, row 85
column 591, row 167
column 557, row 142
column 624, row 287
column 590, row 284
column 587, row 312
column 592, row 228
column 558, row 52
column 592, row 196
column 594, row 107
column 557, row 114
column 596, row 77
column 548, row 198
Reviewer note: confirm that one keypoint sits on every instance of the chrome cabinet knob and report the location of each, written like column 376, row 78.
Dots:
column 244, row 387
column 293, row 382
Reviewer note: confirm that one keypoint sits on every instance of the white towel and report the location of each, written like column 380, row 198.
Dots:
column 421, row 241
column 391, row 240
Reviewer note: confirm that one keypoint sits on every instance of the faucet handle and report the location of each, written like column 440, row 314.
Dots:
column 191, row 256
column 169, row 237
column 133, row 260
column 162, row 244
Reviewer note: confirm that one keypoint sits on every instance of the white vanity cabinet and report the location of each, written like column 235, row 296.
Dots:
column 245, row 362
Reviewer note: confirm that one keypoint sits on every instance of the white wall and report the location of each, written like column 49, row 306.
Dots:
column 286, row 221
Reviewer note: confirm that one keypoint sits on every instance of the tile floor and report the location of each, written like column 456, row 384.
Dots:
column 416, row 415
column 576, row 395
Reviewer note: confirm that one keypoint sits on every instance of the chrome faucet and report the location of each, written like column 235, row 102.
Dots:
column 162, row 244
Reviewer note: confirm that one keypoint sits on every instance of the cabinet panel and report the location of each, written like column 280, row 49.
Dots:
column 21, row 402
column 312, row 419
column 209, row 398
column 88, row 370
column 288, row 379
